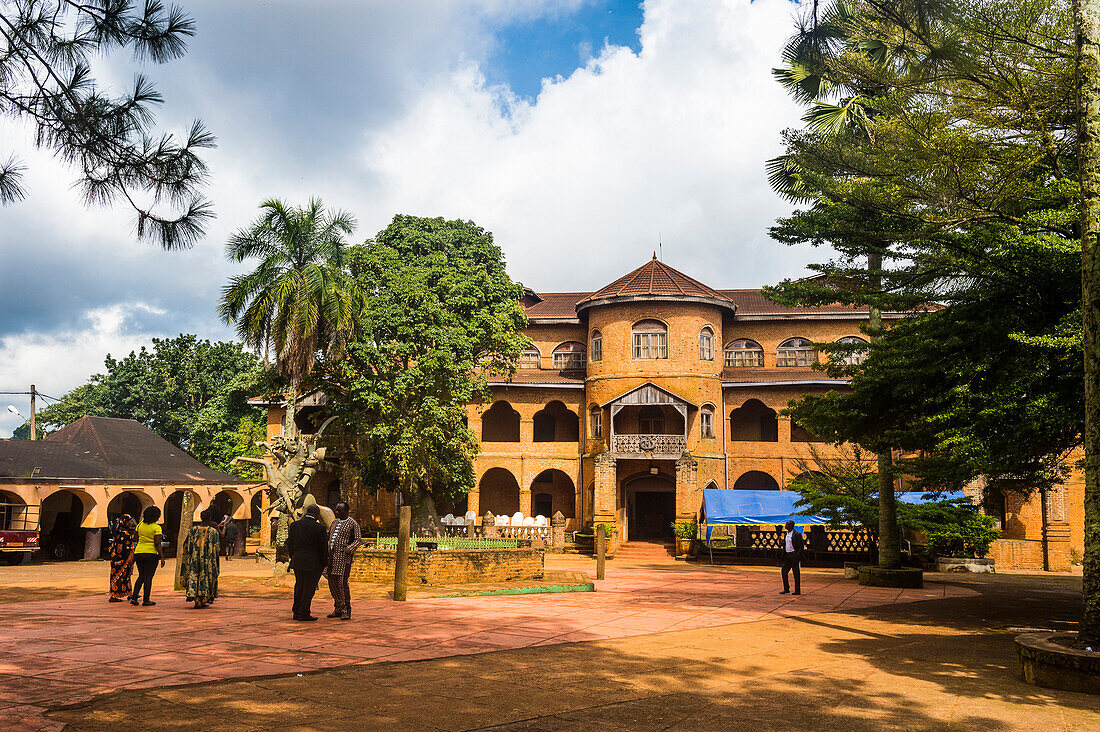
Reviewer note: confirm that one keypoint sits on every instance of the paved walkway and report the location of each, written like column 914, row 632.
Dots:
column 64, row 651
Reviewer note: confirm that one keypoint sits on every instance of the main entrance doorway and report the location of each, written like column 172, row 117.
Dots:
column 651, row 508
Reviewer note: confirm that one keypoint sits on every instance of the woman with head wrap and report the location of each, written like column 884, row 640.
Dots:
column 199, row 555
column 120, row 550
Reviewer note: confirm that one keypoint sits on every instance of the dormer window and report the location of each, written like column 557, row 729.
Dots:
column 649, row 339
column 706, row 344
column 569, row 356
column 530, row 358
column 744, row 353
column 796, row 352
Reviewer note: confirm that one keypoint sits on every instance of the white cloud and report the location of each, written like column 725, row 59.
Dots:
column 55, row 363
column 578, row 186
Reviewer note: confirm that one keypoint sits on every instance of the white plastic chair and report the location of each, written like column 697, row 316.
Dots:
column 458, row 521
column 447, row 520
column 502, row 521
column 528, row 521
column 517, row 519
column 471, row 517
column 540, row 520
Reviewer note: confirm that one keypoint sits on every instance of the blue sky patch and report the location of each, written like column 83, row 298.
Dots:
column 559, row 43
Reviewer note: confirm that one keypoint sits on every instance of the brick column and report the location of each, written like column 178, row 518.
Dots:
column 525, row 501
column 526, row 431
column 603, row 503
column 265, row 519
column 784, row 424
column 1057, row 545
column 473, row 501
column 688, row 497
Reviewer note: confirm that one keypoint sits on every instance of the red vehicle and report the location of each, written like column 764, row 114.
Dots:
column 19, row 533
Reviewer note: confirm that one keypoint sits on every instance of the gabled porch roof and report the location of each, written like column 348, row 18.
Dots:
column 647, row 393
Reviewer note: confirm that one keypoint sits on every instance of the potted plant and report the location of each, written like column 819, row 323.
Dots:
column 685, row 532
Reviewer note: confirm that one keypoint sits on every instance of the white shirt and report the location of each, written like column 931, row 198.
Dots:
column 790, row 541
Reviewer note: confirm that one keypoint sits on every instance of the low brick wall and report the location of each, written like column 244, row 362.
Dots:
column 1017, row 553
column 451, row 566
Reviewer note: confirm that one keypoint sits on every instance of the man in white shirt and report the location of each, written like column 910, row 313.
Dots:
column 792, row 556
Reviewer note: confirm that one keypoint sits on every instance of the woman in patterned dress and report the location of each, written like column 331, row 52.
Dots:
column 120, row 550
column 199, row 555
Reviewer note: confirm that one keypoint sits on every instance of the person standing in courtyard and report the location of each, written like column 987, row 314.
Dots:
column 307, row 545
column 792, row 556
column 344, row 537
column 199, row 555
column 147, row 553
column 120, row 550
column 229, row 537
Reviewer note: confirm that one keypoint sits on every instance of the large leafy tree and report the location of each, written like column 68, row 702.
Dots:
column 440, row 315
column 191, row 392
column 46, row 49
column 964, row 158
column 299, row 299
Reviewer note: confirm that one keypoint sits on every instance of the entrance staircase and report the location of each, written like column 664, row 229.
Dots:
column 646, row 551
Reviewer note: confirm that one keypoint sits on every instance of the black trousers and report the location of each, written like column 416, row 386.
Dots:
column 790, row 562
column 146, row 567
column 305, row 585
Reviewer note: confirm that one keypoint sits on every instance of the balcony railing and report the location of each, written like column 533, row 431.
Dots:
column 656, row 444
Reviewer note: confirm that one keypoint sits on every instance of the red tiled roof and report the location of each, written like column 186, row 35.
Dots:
column 541, row 376
column 765, row 375
column 103, row 448
column 753, row 302
column 655, row 278
column 556, row 305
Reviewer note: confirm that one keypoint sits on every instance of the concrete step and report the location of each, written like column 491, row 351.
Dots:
column 645, row 550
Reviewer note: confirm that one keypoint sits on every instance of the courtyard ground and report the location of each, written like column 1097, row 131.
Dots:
column 657, row 646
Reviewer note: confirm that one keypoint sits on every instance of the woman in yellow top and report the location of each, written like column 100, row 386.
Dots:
column 147, row 553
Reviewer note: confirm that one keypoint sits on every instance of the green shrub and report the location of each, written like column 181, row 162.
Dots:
column 969, row 537
column 685, row 529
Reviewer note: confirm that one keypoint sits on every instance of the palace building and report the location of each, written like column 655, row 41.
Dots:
column 631, row 400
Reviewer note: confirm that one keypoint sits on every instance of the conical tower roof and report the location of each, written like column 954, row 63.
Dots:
column 655, row 280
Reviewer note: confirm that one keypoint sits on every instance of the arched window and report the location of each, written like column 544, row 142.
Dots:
column 753, row 422
column 569, row 356
column 500, row 423
column 530, row 358
column 595, row 423
column 706, row 422
column 649, row 339
column 856, row 356
column 706, row 344
column 796, row 352
column 596, row 351
column 744, row 353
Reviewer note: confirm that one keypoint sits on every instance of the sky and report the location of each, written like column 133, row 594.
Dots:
column 583, row 133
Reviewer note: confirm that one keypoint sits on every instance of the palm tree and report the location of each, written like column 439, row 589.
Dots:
column 299, row 299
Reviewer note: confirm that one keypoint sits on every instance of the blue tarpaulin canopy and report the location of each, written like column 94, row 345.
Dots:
column 725, row 506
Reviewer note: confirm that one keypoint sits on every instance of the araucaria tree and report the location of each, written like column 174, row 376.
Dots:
column 46, row 80
column 439, row 316
column 941, row 147
column 299, row 299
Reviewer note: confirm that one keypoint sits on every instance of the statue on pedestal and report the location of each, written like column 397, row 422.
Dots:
column 289, row 466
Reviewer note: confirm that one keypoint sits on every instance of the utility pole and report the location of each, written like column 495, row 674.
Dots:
column 34, row 435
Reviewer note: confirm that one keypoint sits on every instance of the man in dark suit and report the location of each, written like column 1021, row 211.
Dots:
column 307, row 545
column 792, row 556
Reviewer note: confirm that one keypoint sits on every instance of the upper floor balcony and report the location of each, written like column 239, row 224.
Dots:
column 666, row 446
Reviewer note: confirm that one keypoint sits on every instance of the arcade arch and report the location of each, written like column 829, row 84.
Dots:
column 756, row 480
column 754, row 422
column 553, row 491
column 556, row 423
column 498, row 492
column 500, row 423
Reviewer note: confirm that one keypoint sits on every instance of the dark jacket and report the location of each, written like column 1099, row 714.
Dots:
column 797, row 541
column 307, row 545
